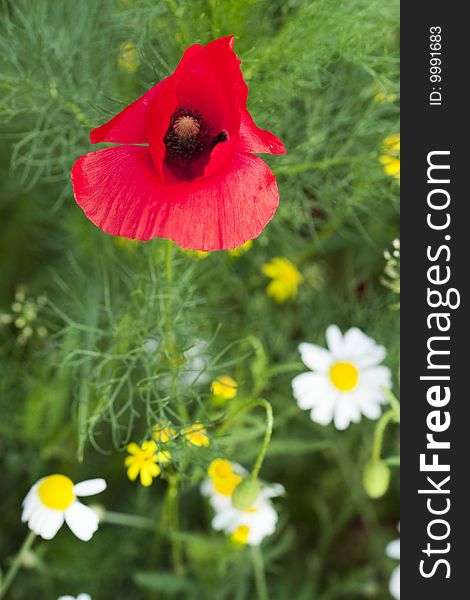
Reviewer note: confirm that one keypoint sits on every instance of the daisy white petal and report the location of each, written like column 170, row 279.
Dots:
column 308, row 388
column 393, row 549
column 334, row 340
column 315, row 357
column 394, row 585
column 272, row 490
column 29, row 505
column 38, row 520
column 82, row 520
column 83, row 597
column 51, row 524
column 356, row 342
column 370, row 407
column 346, row 412
column 372, row 357
column 90, row 487
column 376, row 377
column 323, row 411
column 223, row 520
column 206, row 488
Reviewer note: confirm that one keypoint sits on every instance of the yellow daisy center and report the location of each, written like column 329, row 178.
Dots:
column 222, row 476
column 240, row 535
column 344, row 376
column 56, row 492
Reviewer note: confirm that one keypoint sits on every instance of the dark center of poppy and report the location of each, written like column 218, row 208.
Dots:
column 189, row 141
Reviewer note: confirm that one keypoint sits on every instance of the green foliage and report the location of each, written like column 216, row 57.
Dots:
column 137, row 332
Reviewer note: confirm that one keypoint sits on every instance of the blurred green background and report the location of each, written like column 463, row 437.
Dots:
column 323, row 76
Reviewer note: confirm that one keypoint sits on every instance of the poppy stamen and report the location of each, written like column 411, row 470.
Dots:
column 220, row 137
column 186, row 128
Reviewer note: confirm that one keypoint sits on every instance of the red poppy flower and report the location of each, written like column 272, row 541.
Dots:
column 195, row 180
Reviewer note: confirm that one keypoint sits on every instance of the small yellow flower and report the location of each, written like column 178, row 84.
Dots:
column 390, row 158
column 391, row 144
column 196, row 254
column 163, row 433
column 241, row 249
column 224, row 388
column 143, row 461
column 126, row 243
column 196, row 435
column 223, row 477
column 286, row 279
column 391, row 166
column 128, row 59
column 240, row 535
column 163, row 456
column 381, row 95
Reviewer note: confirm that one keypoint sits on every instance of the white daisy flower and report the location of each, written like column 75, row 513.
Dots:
column 393, row 551
column 249, row 526
column 197, row 360
column 79, row 597
column 53, row 499
column 346, row 380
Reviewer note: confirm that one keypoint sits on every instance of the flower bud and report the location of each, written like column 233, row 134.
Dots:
column 246, row 493
column 376, row 478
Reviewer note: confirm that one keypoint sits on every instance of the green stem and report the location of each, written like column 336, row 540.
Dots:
column 16, row 564
column 170, row 342
column 117, row 518
column 168, row 262
column 267, row 434
column 174, row 525
column 379, row 434
column 260, row 576
column 393, row 402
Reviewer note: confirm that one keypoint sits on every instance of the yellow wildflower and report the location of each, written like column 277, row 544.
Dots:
column 223, row 477
column 241, row 249
column 143, row 461
column 196, row 254
column 163, row 456
column 128, row 59
column 390, row 158
column 381, row 95
column 126, row 243
column 286, row 279
column 196, row 435
column 224, row 388
column 163, row 433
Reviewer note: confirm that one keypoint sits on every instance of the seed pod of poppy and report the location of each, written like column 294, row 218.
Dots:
column 376, row 478
column 246, row 493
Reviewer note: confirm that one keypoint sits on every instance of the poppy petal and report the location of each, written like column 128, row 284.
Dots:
column 254, row 139
column 130, row 125
column 208, row 81
column 119, row 191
